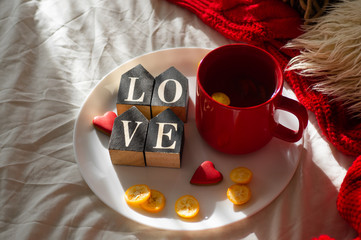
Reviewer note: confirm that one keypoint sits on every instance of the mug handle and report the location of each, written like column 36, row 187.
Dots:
column 296, row 109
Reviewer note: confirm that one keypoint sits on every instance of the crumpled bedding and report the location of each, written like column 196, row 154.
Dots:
column 52, row 54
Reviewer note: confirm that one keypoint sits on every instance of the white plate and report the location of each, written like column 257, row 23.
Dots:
column 273, row 166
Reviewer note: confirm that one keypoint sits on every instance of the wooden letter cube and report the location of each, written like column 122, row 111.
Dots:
column 164, row 144
column 126, row 145
column 135, row 89
column 171, row 91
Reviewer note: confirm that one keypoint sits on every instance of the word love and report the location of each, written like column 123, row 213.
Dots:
column 136, row 141
column 151, row 95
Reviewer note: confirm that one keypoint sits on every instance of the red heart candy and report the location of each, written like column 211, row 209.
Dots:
column 105, row 123
column 206, row 174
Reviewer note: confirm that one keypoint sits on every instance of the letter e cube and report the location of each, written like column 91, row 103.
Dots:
column 164, row 144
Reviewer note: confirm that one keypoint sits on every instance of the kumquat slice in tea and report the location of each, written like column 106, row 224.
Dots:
column 221, row 98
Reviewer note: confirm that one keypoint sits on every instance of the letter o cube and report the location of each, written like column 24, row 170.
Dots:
column 170, row 91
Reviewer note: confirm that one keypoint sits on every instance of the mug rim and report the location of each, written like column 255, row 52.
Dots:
column 276, row 92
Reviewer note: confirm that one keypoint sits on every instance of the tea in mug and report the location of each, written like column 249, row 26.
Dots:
column 243, row 89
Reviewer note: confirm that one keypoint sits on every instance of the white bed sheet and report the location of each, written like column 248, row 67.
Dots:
column 52, row 54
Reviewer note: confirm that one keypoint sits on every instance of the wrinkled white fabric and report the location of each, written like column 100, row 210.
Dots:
column 52, row 54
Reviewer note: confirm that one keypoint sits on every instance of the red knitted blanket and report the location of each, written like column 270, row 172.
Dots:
column 270, row 24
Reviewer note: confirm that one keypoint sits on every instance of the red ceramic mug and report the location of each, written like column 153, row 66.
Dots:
column 253, row 81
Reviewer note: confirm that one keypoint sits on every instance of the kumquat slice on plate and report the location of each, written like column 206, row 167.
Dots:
column 137, row 194
column 187, row 206
column 241, row 175
column 238, row 194
column 155, row 202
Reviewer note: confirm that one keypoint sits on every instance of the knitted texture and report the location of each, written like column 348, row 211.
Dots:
column 252, row 21
column 349, row 198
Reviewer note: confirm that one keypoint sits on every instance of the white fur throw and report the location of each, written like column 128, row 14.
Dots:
column 331, row 54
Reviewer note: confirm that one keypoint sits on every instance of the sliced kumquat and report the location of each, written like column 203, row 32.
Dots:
column 137, row 194
column 241, row 175
column 187, row 206
column 221, row 98
column 239, row 194
column 155, row 202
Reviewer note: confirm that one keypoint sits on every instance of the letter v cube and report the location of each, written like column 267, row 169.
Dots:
column 164, row 142
column 135, row 89
column 126, row 144
column 170, row 91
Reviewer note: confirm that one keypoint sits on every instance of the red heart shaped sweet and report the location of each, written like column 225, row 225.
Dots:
column 206, row 174
column 105, row 123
